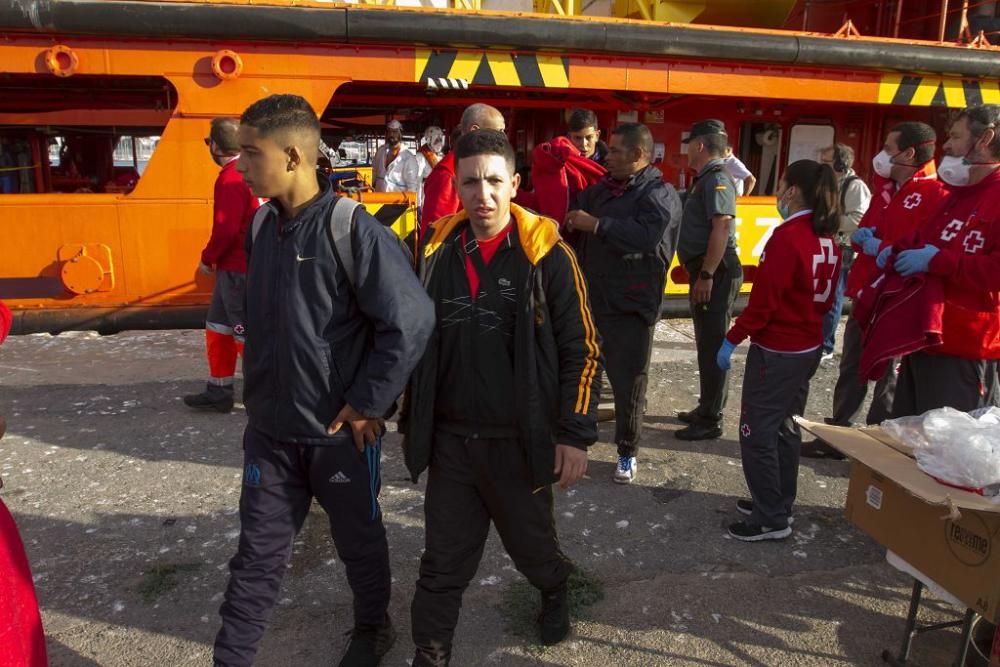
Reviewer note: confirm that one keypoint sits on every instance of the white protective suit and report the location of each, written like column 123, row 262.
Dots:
column 402, row 174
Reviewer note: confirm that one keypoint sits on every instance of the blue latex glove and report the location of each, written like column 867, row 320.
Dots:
column 862, row 234
column 723, row 358
column 883, row 258
column 910, row 262
column 871, row 246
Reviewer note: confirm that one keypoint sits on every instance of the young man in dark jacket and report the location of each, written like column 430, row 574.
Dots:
column 628, row 225
column 327, row 354
column 502, row 404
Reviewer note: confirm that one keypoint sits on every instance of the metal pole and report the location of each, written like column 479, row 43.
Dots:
column 899, row 17
column 944, row 20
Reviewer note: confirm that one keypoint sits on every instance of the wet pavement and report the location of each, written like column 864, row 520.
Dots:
column 127, row 504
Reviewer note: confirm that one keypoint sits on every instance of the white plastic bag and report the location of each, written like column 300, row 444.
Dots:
column 956, row 447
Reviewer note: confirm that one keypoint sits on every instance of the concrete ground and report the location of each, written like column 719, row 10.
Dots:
column 127, row 504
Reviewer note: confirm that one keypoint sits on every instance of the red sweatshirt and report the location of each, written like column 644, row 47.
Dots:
column 232, row 215
column 966, row 230
column 793, row 289
column 440, row 196
column 6, row 319
column 895, row 214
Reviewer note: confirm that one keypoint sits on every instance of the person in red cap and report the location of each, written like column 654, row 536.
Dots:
column 224, row 256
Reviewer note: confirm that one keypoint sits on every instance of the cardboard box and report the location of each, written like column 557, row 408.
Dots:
column 950, row 535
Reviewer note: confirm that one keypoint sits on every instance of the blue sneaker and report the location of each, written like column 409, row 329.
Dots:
column 626, row 470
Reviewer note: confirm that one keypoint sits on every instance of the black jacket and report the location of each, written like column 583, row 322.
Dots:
column 556, row 349
column 626, row 260
column 312, row 342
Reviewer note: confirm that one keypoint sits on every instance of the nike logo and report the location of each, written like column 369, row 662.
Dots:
column 300, row 258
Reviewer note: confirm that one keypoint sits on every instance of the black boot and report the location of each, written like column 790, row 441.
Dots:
column 438, row 656
column 368, row 644
column 215, row 397
column 553, row 622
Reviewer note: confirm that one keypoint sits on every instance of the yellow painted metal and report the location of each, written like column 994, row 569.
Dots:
column 756, row 219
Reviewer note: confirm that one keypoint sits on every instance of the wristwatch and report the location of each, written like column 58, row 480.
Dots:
column 705, row 275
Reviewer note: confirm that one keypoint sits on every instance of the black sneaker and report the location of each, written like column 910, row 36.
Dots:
column 744, row 506
column 751, row 532
column 215, row 397
column 368, row 644
column 699, row 431
column 553, row 622
column 817, row 449
column 688, row 416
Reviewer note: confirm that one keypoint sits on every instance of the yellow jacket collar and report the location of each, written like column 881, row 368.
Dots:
column 537, row 234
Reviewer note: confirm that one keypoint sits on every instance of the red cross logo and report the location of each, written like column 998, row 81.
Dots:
column 745, row 430
column 912, row 201
column 974, row 242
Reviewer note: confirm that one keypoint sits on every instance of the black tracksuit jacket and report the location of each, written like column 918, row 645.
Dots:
column 556, row 348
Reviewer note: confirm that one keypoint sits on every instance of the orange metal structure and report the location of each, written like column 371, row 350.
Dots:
column 123, row 253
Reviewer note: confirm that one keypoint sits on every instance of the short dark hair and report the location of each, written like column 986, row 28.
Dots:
column 224, row 134
column 715, row 144
column 485, row 142
column 981, row 118
column 282, row 113
column 635, row 135
column 920, row 136
column 581, row 119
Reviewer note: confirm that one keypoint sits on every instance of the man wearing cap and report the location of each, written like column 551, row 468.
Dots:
column 395, row 168
column 707, row 250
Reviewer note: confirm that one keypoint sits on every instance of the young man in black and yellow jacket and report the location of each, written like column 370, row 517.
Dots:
column 503, row 403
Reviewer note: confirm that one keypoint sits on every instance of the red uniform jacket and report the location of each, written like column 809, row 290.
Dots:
column 793, row 289
column 899, row 316
column 6, row 319
column 559, row 173
column 966, row 230
column 440, row 196
column 232, row 215
column 893, row 215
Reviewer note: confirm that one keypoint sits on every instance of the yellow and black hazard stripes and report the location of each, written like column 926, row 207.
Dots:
column 402, row 217
column 926, row 91
column 590, row 335
column 482, row 68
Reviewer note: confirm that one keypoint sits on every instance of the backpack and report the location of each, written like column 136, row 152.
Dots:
column 341, row 221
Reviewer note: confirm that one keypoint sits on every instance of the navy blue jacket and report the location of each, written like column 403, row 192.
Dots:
column 312, row 342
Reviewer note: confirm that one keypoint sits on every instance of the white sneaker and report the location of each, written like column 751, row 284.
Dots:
column 626, row 470
column 827, row 356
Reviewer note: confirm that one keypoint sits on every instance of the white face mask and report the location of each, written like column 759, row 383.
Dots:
column 954, row 170
column 882, row 164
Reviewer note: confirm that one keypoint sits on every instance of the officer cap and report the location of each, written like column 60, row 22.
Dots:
column 706, row 127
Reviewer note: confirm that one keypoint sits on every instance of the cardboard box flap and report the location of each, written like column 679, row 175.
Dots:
column 888, row 461
column 886, row 439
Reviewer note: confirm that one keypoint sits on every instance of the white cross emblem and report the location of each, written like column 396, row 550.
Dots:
column 974, row 242
column 826, row 256
column 912, row 201
column 951, row 230
column 745, row 430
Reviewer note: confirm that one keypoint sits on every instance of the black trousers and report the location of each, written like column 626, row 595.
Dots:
column 279, row 483
column 775, row 389
column 471, row 482
column 627, row 347
column 930, row 381
column 711, row 323
column 851, row 390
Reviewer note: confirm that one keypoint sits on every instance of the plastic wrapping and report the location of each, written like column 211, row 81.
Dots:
column 958, row 448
